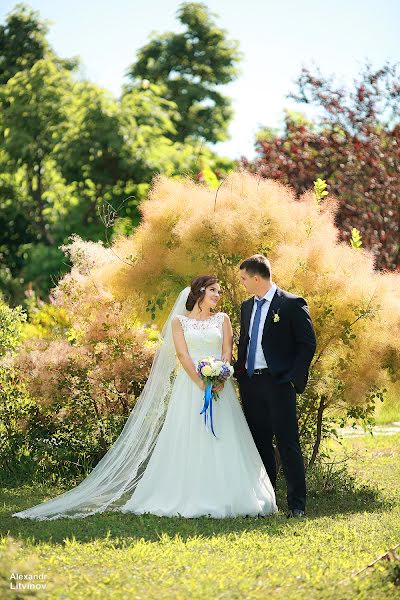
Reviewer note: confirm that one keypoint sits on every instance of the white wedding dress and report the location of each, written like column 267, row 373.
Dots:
column 191, row 473
column 165, row 461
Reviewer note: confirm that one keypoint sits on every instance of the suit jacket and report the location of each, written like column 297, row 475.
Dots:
column 288, row 343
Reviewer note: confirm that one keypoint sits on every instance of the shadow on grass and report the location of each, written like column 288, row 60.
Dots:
column 123, row 529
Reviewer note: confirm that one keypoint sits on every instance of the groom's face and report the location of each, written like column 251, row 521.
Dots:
column 250, row 282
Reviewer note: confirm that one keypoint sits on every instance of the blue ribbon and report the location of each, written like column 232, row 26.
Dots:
column 208, row 398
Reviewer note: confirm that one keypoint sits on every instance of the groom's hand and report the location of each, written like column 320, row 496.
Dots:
column 218, row 387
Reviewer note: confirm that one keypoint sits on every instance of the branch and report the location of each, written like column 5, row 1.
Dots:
column 108, row 218
column 389, row 555
column 333, row 337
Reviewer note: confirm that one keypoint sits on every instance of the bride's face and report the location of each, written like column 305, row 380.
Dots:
column 211, row 296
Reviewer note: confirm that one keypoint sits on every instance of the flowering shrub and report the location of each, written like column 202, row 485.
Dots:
column 82, row 379
column 188, row 229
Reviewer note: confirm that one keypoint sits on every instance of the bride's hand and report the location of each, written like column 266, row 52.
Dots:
column 201, row 385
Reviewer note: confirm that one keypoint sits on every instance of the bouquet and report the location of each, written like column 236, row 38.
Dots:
column 212, row 371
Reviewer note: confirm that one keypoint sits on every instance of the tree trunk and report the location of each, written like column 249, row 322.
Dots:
column 317, row 442
column 37, row 197
column 125, row 402
column 91, row 210
column 102, row 441
column 308, row 416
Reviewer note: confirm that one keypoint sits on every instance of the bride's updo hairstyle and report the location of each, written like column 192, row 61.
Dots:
column 198, row 290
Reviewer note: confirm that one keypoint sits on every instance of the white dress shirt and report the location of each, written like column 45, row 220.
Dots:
column 260, row 362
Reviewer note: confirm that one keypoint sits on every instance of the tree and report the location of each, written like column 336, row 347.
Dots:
column 108, row 141
column 71, row 151
column 33, row 122
column 23, row 42
column 112, row 149
column 354, row 145
column 191, row 65
column 15, row 227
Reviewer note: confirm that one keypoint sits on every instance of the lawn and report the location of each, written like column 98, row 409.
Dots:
column 350, row 523
column 389, row 410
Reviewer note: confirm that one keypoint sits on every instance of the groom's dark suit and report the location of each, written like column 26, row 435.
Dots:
column 269, row 398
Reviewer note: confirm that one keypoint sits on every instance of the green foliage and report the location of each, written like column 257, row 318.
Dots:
column 388, row 411
column 34, row 119
column 209, row 177
column 108, row 141
column 82, row 150
column 17, row 409
column 35, row 113
column 23, row 42
column 11, row 320
column 15, row 404
column 44, row 265
column 45, row 320
column 320, row 189
column 355, row 240
column 393, row 572
column 191, row 65
column 76, row 160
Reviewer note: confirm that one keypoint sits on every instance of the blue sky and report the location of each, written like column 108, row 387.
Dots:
column 276, row 38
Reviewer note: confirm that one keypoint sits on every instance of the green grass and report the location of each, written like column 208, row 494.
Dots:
column 146, row 557
column 389, row 410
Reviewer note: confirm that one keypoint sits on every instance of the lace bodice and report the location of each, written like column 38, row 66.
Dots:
column 203, row 337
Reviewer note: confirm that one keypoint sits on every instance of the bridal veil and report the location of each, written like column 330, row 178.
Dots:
column 115, row 477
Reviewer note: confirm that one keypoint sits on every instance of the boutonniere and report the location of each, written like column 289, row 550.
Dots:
column 275, row 316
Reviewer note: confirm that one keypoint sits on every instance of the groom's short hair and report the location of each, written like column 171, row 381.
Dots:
column 257, row 265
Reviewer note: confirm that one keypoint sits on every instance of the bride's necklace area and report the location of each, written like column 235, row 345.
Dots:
column 206, row 319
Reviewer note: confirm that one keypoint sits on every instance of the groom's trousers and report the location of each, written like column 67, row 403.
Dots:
column 270, row 409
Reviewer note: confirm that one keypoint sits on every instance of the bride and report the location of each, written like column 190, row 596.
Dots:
column 166, row 461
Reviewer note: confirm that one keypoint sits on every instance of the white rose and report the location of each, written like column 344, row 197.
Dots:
column 206, row 371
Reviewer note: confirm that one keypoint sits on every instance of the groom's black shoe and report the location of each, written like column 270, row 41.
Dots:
column 296, row 514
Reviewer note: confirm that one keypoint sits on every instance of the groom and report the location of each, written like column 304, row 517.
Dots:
column 276, row 346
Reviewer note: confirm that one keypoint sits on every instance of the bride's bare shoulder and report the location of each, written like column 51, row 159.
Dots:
column 177, row 320
column 225, row 316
